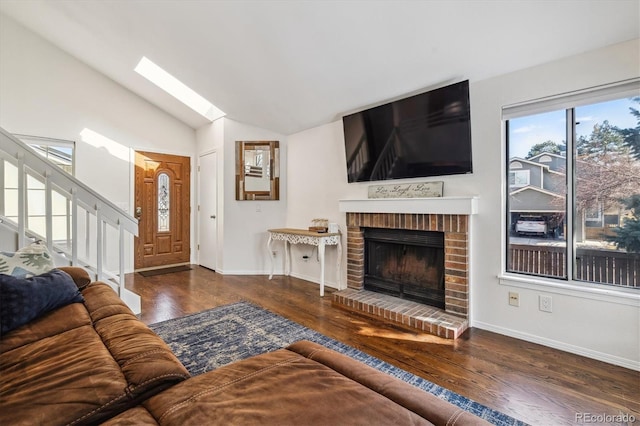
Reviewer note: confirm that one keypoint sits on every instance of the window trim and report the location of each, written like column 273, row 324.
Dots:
column 587, row 290
column 50, row 142
column 568, row 286
column 526, row 172
column 592, row 95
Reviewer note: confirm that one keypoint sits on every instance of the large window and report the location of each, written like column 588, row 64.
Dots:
column 59, row 152
column 56, row 150
column 576, row 215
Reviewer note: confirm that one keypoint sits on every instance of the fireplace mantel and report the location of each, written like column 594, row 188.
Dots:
column 463, row 205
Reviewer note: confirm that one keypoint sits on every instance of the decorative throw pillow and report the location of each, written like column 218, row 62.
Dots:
column 28, row 261
column 24, row 299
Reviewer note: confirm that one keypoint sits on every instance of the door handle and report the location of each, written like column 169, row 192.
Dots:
column 138, row 212
column 213, row 216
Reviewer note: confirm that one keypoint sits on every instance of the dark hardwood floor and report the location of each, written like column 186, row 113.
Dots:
column 533, row 383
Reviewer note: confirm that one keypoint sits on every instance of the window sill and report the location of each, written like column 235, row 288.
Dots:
column 622, row 296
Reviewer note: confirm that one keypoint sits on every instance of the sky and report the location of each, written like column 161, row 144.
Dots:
column 528, row 131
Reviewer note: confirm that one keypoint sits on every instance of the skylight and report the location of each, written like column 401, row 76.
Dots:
column 177, row 89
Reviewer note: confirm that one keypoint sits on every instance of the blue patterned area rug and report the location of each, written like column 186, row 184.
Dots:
column 219, row 336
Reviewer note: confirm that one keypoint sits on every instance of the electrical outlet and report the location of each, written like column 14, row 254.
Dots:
column 514, row 298
column 545, row 303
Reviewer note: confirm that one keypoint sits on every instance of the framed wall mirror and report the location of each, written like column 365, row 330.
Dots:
column 257, row 170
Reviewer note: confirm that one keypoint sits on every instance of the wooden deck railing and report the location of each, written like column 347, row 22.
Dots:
column 538, row 260
column 610, row 267
column 599, row 266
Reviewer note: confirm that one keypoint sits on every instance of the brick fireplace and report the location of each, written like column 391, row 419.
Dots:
column 451, row 321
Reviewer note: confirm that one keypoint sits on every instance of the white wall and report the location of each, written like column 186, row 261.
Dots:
column 242, row 225
column 46, row 92
column 317, row 167
column 606, row 328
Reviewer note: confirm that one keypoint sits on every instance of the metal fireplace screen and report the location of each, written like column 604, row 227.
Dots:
column 405, row 263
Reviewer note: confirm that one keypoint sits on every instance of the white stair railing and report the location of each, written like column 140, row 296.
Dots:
column 87, row 216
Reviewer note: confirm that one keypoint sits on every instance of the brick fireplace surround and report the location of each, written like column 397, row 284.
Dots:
column 451, row 322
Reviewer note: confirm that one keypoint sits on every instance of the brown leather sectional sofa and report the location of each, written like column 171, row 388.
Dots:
column 95, row 362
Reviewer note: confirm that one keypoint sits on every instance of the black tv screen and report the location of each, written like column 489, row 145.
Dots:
column 428, row 134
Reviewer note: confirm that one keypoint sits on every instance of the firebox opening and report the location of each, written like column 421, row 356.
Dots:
column 405, row 263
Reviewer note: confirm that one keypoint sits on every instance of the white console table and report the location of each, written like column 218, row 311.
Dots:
column 303, row 236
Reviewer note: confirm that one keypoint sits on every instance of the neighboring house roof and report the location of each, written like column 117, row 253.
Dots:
column 532, row 199
column 548, row 153
column 533, row 163
column 522, row 160
column 535, row 188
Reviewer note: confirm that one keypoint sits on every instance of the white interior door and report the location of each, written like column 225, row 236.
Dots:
column 207, row 212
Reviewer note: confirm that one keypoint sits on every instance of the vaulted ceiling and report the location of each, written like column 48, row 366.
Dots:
column 291, row 65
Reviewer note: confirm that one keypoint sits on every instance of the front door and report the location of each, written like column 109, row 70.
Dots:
column 162, row 206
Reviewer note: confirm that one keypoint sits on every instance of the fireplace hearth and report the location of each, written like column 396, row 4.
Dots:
column 408, row 264
column 449, row 322
column 447, row 215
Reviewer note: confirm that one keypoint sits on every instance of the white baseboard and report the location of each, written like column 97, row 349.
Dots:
column 578, row 350
column 246, row 272
column 314, row 279
column 309, row 278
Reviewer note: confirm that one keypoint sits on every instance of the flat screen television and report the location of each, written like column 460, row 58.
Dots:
column 424, row 135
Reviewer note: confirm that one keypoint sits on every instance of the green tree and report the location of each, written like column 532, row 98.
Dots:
column 628, row 235
column 631, row 136
column 604, row 142
column 549, row 146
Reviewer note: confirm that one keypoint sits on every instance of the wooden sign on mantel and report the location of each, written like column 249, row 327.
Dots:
column 407, row 190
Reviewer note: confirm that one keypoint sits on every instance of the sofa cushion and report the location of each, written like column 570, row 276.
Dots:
column 82, row 363
column 102, row 302
column 47, row 326
column 24, row 299
column 66, row 378
column 80, row 276
column 136, row 416
column 145, row 359
column 428, row 406
column 31, row 260
column 288, row 387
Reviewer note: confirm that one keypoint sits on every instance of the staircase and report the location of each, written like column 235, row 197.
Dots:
column 40, row 201
column 388, row 158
